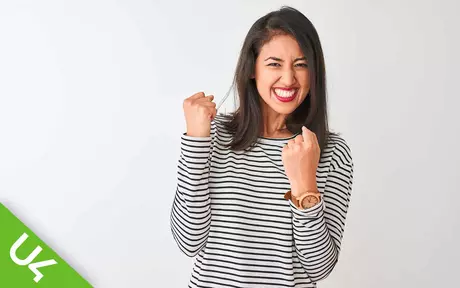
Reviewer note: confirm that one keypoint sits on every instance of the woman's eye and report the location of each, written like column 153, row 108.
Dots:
column 303, row 65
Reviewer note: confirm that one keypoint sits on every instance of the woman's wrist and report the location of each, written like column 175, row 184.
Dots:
column 308, row 183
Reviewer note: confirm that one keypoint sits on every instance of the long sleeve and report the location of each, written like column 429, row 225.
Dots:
column 318, row 231
column 191, row 209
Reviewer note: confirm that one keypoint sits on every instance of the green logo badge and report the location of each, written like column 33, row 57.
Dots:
column 26, row 261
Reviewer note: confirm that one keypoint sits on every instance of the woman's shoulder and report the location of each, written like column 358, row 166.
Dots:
column 339, row 150
column 219, row 127
column 222, row 118
column 220, row 121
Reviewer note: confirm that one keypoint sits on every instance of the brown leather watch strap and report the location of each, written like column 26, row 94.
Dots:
column 288, row 196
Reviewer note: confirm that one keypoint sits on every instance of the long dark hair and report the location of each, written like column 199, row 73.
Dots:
column 245, row 122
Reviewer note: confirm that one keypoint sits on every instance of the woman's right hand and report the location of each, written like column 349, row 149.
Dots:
column 199, row 110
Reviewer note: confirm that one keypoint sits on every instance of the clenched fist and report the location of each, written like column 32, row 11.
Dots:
column 199, row 110
column 300, row 159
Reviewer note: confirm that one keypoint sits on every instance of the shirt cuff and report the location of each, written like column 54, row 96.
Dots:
column 195, row 150
column 185, row 137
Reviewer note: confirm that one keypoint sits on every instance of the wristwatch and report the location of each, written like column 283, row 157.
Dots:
column 305, row 200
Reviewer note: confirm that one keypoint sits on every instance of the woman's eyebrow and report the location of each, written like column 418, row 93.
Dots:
column 274, row 58
column 281, row 60
column 300, row 59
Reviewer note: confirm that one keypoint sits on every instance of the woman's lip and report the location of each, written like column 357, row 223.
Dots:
column 286, row 99
column 286, row 89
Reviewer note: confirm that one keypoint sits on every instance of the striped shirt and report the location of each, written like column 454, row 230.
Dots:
column 230, row 214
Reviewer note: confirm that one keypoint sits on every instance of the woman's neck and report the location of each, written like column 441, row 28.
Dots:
column 274, row 124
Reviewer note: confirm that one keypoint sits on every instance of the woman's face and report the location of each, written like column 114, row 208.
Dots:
column 281, row 74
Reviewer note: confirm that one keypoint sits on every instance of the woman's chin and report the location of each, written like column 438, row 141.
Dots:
column 283, row 108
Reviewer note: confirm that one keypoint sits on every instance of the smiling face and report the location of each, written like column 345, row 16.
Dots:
column 281, row 74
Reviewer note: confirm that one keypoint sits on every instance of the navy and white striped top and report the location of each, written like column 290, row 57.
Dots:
column 229, row 212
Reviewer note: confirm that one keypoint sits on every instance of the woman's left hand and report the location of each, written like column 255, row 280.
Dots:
column 300, row 159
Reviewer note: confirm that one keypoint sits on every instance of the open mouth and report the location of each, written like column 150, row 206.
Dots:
column 285, row 95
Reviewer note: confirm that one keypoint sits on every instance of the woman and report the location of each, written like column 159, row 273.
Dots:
column 262, row 193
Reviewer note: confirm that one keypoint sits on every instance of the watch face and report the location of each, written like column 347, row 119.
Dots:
column 309, row 201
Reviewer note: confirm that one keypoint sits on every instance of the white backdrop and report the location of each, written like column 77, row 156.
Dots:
column 91, row 118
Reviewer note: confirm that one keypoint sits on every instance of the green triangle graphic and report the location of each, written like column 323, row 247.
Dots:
column 26, row 261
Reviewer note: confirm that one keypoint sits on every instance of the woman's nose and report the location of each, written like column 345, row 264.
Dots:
column 288, row 77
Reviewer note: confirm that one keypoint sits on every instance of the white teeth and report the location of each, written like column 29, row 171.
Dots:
column 285, row 93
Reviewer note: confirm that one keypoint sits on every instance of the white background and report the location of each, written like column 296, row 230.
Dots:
column 91, row 117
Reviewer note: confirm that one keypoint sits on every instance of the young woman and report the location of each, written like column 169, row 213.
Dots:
column 263, row 193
